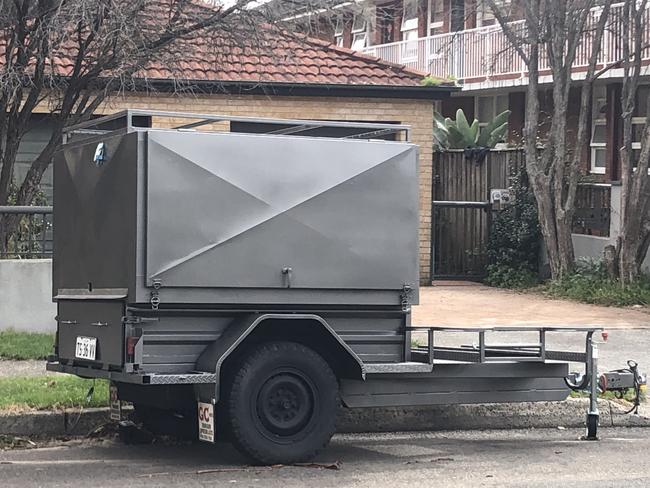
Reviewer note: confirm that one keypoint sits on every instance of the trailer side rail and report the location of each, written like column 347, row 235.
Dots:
column 482, row 352
column 125, row 120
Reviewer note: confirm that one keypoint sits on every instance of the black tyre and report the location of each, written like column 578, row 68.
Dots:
column 282, row 403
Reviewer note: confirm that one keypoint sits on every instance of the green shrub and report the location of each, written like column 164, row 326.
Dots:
column 460, row 134
column 506, row 277
column 431, row 81
column 589, row 283
column 514, row 241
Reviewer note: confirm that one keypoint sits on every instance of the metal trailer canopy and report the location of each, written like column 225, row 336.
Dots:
column 240, row 210
column 202, row 215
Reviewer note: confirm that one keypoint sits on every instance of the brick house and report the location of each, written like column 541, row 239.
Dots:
column 293, row 78
column 461, row 39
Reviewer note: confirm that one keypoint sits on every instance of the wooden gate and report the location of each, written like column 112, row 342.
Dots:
column 461, row 209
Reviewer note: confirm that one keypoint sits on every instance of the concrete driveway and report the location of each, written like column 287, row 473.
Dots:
column 472, row 304
column 459, row 304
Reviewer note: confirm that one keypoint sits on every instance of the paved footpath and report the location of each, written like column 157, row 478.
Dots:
column 515, row 458
column 9, row 368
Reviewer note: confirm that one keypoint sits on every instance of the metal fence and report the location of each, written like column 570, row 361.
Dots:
column 33, row 235
column 593, row 209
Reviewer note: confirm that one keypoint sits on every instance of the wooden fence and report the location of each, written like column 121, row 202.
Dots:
column 462, row 211
column 460, row 232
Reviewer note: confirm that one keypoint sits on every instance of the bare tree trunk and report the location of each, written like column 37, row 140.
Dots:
column 632, row 243
column 556, row 28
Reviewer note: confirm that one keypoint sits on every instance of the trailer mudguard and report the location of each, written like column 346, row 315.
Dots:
column 214, row 356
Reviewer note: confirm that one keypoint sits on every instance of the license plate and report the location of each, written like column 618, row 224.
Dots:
column 86, row 348
column 206, row 422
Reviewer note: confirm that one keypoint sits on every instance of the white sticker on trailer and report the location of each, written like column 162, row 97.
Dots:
column 206, row 422
column 114, row 403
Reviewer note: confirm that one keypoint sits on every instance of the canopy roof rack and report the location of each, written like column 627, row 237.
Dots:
column 131, row 120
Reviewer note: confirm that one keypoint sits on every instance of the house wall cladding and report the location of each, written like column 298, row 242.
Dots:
column 416, row 113
column 31, row 145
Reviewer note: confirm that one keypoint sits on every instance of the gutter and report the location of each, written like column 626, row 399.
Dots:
column 302, row 89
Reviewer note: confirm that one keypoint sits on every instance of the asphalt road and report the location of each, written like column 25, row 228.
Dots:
column 530, row 458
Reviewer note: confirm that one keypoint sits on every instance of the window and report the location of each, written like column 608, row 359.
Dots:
column 599, row 147
column 436, row 14
column 410, row 12
column 338, row 31
column 410, row 20
column 485, row 15
column 385, row 17
column 642, row 98
column 410, row 30
column 359, row 32
column 638, row 121
column 359, row 41
column 599, row 131
column 487, row 108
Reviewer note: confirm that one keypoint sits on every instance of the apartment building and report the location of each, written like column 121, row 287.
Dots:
column 461, row 40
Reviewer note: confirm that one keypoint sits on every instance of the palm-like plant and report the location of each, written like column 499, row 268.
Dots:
column 460, row 134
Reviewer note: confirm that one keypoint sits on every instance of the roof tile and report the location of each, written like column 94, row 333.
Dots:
column 273, row 57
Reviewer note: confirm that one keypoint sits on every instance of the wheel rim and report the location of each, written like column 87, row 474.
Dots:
column 285, row 404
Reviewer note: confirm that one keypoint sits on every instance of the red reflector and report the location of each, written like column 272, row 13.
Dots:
column 130, row 345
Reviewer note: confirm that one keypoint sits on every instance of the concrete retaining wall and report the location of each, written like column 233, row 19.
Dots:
column 26, row 295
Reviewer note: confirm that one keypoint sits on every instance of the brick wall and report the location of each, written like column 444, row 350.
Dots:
column 416, row 113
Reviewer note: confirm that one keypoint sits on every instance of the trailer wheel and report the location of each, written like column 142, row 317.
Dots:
column 282, row 404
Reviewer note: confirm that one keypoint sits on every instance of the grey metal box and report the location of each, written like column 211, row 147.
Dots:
column 237, row 218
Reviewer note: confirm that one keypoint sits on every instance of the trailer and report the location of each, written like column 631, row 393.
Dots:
column 245, row 278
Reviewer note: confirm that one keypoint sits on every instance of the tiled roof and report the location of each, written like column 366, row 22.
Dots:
column 281, row 59
column 265, row 55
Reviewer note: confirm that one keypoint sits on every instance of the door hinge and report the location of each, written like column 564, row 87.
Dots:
column 405, row 297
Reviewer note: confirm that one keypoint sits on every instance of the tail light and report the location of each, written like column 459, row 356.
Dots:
column 131, row 342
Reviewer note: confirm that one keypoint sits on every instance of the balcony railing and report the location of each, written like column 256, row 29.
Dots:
column 485, row 53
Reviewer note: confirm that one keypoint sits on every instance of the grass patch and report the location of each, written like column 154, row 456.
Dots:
column 25, row 345
column 51, row 392
column 590, row 284
column 628, row 396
